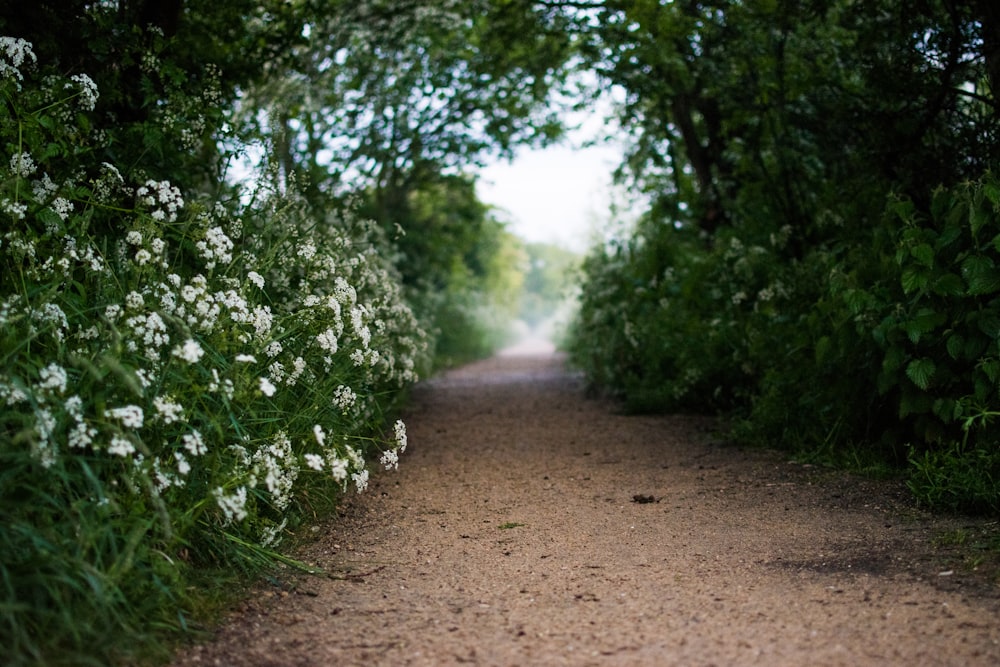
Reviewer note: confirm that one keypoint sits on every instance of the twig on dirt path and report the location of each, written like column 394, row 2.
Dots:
column 356, row 578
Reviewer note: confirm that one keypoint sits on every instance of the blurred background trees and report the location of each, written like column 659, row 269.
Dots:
column 385, row 106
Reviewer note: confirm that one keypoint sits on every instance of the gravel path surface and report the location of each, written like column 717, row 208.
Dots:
column 529, row 525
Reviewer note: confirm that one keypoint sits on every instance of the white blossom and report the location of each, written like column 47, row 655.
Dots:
column 399, row 431
column 121, row 446
column 21, row 164
column 190, row 351
column 14, row 53
column 314, row 461
column 130, row 416
column 233, row 505
column 194, row 443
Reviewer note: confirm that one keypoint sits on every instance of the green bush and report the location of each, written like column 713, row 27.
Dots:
column 888, row 344
column 180, row 378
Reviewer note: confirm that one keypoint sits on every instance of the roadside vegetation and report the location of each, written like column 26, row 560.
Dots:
column 233, row 233
column 231, row 236
column 819, row 261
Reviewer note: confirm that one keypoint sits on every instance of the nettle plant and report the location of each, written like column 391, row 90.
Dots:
column 184, row 361
column 942, row 357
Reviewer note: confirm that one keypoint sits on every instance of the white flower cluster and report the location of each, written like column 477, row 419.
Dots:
column 215, row 248
column 175, row 361
column 109, row 183
column 162, row 198
column 146, row 253
column 22, row 165
column 151, row 331
column 233, row 505
column 87, row 90
column 14, row 53
column 344, row 464
column 344, row 398
column 390, row 457
column 278, row 465
column 183, row 111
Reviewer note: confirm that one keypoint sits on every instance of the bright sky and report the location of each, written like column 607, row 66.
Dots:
column 558, row 195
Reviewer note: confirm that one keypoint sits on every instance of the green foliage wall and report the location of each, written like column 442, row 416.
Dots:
column 817, row 261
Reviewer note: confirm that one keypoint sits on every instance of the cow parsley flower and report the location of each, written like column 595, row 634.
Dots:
column 121, row 446
column 298, row 368
column 167, row 410
column 81, row 435
column 190, row 351
column 328, row 341
column 267, row 387
column 130, row 416
column 63, row 207
column 88, row 91
column 14, row 52
column 338, row 469
column 399, row 431
column 314, row 461
column 360, row 480
column 43, row 188
column 256, row 279
column 344, row 398
column 163, row 198
column 21, row 164
column 390, row 459
column 233, row 505
column 194, row 443
column 134, row 300
column 271, row 535
column 53, row 378
column 215, row 248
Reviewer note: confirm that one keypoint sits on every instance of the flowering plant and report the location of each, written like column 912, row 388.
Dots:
column 175, row 370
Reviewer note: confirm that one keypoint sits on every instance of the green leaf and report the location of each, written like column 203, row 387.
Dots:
column 949, row 235
column 991, row 368
column 920, row 372
column 992, row 192
column 980, row 275
column 945, row 409
column 978, row 218
column 893, row 359
column 948, row 284
column 989, row 323
column 924, row 254
column 857, row 300
column 955, row 345
column 925, row 321
column 914, row 279
column 940, row 204
column 822, row 349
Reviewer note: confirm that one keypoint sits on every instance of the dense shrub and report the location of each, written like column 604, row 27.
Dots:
column 179, row 377
column 888, row 345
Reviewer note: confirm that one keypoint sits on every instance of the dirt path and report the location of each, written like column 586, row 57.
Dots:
column 528, row 525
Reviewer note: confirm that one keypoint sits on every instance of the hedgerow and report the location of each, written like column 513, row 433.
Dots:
column 182, row 377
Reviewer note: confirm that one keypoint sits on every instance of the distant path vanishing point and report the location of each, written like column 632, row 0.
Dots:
column 530, row 525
